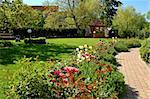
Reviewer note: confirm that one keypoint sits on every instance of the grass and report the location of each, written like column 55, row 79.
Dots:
column 55, row 49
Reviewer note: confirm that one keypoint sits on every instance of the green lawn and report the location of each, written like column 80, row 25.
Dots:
column 55, row 49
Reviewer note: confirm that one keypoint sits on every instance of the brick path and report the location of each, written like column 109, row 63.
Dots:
column 137, row 74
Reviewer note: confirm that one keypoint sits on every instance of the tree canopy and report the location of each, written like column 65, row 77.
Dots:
column 128, row 22
column 82, row 12
column 15, row 14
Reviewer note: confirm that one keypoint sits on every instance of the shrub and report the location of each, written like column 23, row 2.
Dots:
column 30, row 81
column 112, row 51
column 121, row 46
column 105, row 51
column 133, row 43
column 5, row 44
column 40, row 40
column 110, row 58
column 145, row 51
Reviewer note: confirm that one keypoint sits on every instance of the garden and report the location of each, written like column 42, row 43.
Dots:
column 73, row 49
column 83, row 68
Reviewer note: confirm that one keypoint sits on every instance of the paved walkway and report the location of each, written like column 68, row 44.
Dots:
column 137, row 74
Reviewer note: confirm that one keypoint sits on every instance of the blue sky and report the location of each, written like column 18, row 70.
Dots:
column 141, row 6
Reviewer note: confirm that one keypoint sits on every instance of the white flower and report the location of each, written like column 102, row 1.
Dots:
column 79, row 55
column 86, row 53
column 86, row 49
column 81, row 47
column 83, row 58
column 85, row 46
column 86, row 56
column 89, row 60
column 80, row 60
column 77, row 49
column 81, row 51
column 90, row 47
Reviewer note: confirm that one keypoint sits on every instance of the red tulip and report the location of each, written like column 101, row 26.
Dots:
column 56, row 72
column 61, row 75
column 53, row 80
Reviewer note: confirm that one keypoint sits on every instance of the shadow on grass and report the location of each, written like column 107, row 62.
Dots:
column 53, row 51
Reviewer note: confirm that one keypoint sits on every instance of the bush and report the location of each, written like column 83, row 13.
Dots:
column 5, row 44
column 30, row 81
column 145, row 51
column 133, row 43
column 110, row 58
column 121, row 46
column 40, row 40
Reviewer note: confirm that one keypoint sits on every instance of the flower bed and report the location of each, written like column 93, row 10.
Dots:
column 87, row 75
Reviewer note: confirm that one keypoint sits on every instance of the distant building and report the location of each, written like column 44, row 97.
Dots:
column 43, row 8
column 97, row 29
column 48, row 9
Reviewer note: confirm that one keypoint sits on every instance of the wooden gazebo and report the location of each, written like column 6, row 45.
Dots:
column 97, row 29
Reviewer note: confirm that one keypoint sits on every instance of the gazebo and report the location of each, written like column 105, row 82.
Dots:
column 97, row 29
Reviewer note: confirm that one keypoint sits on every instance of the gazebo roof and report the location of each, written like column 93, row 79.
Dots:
column 97, row 23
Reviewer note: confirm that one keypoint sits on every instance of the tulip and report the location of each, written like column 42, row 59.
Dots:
column 83, row 58
column 85, row 46
column 53, row 80
column 86, row 49
column 79, row 55
column 61, row 75
column 90, row 47
column 56, row 72
column 77, row 49
column 81, row 47
column 65, row 80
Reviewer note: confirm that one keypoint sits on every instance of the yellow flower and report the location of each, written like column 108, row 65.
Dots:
column 90, row 47
column 85, row 46
column 81, row 47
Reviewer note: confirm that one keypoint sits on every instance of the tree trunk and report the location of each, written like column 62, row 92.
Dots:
column 73, row 15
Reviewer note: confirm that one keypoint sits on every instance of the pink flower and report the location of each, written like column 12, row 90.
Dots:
column 71, row 69
column 56, row 72
column 65, row 80
column 92, row 56
column 61, row 75
column 74, row 69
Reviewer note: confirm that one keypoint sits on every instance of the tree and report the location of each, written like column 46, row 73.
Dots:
column 55, row 21
column 5, row 24
column 128, row 22
column 146, row 30
column 148, row 15
column 109, row 9
column 23, row 16
column 83, row 12
column 16, row 15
